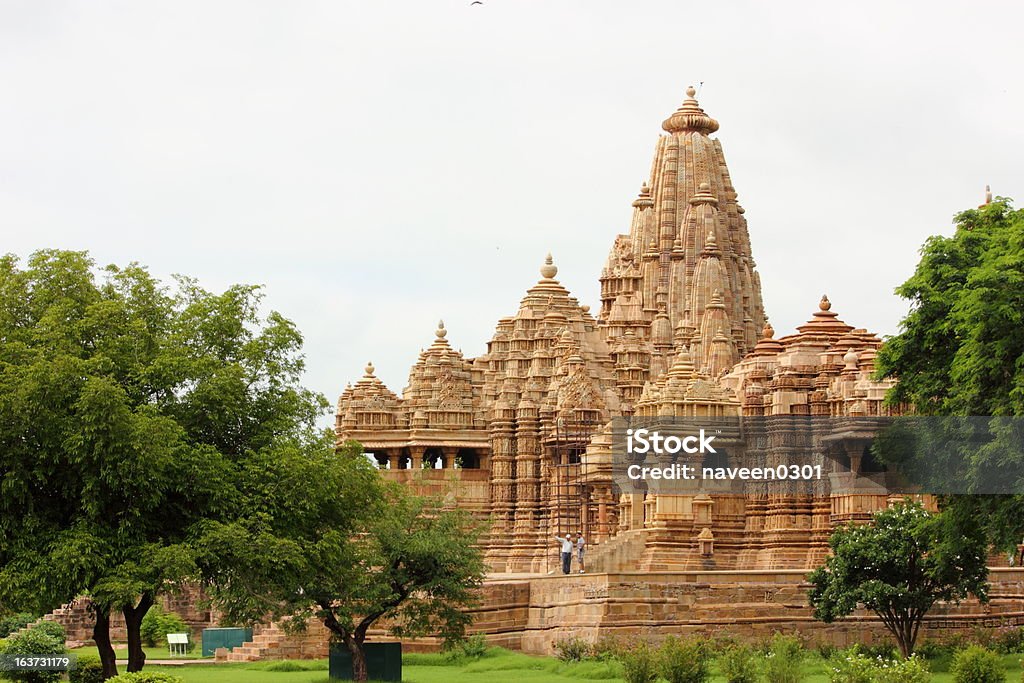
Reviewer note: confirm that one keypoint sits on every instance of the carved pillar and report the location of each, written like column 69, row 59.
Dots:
column 416, row 455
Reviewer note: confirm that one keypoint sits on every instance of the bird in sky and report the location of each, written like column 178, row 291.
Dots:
column 475, row 2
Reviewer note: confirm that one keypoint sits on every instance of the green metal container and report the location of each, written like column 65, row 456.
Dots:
column 383, row 662
column 224, row 637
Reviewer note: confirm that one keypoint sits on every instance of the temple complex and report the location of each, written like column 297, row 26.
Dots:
column 521, row 433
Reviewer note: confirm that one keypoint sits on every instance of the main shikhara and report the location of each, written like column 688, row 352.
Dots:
column 522, row 432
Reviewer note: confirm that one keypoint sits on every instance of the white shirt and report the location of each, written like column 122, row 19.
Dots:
column 566, row 544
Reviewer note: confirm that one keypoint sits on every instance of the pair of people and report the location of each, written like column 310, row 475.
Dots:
column 568, row 545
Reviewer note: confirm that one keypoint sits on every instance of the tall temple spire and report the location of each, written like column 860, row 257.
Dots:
column 688, row 238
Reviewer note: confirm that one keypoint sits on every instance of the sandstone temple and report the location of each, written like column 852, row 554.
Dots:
column 521, row 434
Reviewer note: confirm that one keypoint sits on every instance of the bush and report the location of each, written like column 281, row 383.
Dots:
column 739, row 664
column 931, row 649
column 683, row 661
column 855, row 667
column 284, row 666
column 157, row 624
column 474, row 647
column 32, row 642
column 851, row 667
column 573, row 649
column 1010, row 640
column 52, row 629
column 975, row 664
column 880, row 651
column 912, row 670
column 89, row 669
column 784, row 661
column 638, row 665
column 145, row 677
column 15, row 622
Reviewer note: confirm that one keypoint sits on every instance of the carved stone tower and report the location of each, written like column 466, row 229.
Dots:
column 684, row 276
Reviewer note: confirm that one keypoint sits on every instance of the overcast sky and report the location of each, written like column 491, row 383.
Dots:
column 380, row 165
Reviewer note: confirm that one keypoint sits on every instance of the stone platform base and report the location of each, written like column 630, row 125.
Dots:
column 530, row 613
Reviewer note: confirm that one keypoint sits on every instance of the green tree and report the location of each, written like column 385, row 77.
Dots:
column 347, row 549
column 126, row 408
column 899, row 566
column 960, row 350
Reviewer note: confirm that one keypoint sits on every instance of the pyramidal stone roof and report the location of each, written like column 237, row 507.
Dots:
column 688, row 239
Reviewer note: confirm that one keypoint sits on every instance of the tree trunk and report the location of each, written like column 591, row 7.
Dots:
column 101, row 636
column 133, row 624
column 355, row 647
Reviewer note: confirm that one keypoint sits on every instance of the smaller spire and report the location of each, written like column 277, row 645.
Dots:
column 704, row 195
column 549, row 270
column 988, row 197
column 644, row 201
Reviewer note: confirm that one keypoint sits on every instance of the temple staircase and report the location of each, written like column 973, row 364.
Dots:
column 621, row 552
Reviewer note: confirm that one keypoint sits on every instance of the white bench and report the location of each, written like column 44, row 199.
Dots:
column 177, row 644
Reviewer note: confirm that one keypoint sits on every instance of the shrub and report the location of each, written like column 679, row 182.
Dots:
column 683, row 661
column 89, row 669
column 15, row 622
column 573, row 649
column 975, row 664
column 879, row 651
column 284, row 666
column 157, row 624
column 606, row 648
column 931, row 649
column 145, row 677
column 855, row 667
column 52, row 629
column 784, row 661
column 32, row 642
column 739, row 664
column 1009, row 641
column 473, row 647
column 638, row 665
column 912, row 670
column 851, row 667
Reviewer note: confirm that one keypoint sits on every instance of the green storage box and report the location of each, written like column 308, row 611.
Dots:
column 383, row 662
column 224, row 637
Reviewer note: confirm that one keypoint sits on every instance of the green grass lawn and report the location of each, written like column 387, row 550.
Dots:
column 499, row 666
column 121, row 652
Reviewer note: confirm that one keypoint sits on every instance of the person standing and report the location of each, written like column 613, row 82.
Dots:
column 566, row 552
column 581, row 547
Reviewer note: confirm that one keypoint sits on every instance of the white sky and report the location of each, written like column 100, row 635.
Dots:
column 379, row 165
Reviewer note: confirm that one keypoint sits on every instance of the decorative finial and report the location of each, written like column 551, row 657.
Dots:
column 369, row 369
column 441, row 332
column 549, row 269
column 825, row 304
column 711, row 241
column 705, row 187
column 988, row 194
column 690, row 117
column 768, row 332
